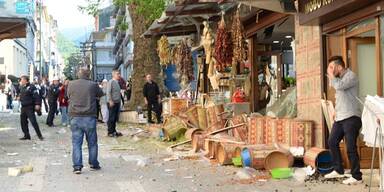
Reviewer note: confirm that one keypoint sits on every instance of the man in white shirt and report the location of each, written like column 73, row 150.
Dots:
column 347, row 120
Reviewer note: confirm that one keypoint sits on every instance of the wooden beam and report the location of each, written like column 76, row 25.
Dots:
column 379, row 57
column 267, row 21
column 193, row 12
column 370, row 11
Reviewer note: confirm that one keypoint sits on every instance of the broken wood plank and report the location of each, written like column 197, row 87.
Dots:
column 181, row 143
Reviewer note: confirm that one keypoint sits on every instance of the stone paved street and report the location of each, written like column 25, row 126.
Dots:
column 128, row 164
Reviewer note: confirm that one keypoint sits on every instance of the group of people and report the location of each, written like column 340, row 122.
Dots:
column 79, row 99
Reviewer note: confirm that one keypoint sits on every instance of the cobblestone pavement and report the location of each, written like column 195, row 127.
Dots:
column 129, row 164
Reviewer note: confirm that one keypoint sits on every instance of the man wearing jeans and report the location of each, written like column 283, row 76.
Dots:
column 347, row 120
column 114, row 101
column 82, row 95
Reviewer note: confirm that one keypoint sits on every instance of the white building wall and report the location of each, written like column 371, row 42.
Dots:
column 15, row 58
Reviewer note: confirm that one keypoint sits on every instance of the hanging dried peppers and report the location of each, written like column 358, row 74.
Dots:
column 182, row 57
column 239, row 43
column 163, row 50
column 223, row 47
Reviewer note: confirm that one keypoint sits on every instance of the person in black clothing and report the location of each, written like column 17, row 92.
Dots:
column 30, row 103
column 43, row 93
column 152, row 99
column 53, row 95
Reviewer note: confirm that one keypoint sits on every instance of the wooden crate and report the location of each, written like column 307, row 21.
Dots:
column 173, row 106
column 365, row 154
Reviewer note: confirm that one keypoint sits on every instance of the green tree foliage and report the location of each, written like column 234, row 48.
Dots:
column 66, row 46
column 69, row 51
column 91, row 7
column 151, row 9
column 73, row 63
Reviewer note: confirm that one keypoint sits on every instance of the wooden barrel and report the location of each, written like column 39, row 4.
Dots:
column 190, row 132
column 215, row 120
column 193, row 116
column 225, row 153
column 210, row 147
column 254, row 155
column 173, row 128
column 319, row 158
column 240, row 133
column 202, row 117
column 198, row 142
column 278, row 159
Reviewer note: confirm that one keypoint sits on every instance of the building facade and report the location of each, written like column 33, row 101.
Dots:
column 13, row 57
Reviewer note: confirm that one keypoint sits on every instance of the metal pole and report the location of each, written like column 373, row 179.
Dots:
column 41, row 38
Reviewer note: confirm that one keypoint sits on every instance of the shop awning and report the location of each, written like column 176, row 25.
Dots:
column 280, row 6
column 12, row 28
column 185, row 17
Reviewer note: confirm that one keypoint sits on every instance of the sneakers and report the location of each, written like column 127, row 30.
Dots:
column 77, row 171
column 116, row 134
column 25, row 138
column 334, row 175
column 95, row 168
column 352, row 181
column 41, row 138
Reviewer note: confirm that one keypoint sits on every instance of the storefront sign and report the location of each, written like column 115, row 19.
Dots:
column 324, row 11
column 24, row 7
column 313, row 5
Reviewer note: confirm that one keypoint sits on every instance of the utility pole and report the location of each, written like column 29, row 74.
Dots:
column 41, row 38
column 89, row 46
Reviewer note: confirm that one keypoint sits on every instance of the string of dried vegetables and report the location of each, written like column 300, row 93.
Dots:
column 223, row 47
column 182, row 56
column 239, row 43
column 163, row 50
column 207, row 41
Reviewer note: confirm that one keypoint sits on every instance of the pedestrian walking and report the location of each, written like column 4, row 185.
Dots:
column 43, row 93
column 63, row 103
column 82, row 95
column 114, row 102
column 30, row 103
column 53, row 95
column 347, row 120
column 8, row 91
column 152, row 99
column 104, row 102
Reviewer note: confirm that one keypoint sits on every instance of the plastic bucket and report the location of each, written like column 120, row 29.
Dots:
column 320, row 159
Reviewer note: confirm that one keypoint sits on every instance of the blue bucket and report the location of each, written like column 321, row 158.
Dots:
column 246, row 157
column 324, row 162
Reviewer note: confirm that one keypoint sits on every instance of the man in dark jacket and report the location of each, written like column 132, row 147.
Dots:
column 53, row 95
column 152, row 99
column 82, row 95
column 30, row 102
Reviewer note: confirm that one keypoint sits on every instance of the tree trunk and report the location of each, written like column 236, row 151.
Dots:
column 145, row 59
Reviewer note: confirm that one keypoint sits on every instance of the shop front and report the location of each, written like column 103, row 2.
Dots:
column 351, row 28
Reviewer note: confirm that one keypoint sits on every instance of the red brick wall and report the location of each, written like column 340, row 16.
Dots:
column 309, row 77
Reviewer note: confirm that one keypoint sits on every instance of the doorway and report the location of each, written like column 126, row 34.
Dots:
column 362, row 60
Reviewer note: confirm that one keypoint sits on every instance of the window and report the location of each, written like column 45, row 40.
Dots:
column 1, row 60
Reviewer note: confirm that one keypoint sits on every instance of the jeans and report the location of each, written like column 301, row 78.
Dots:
column 64, row 115
column 81, row 126
column 350, row 129
column 113, row 117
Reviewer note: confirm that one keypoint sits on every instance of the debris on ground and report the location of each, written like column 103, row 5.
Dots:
column 16, row 171
column 140, row 160
column 12, row 154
